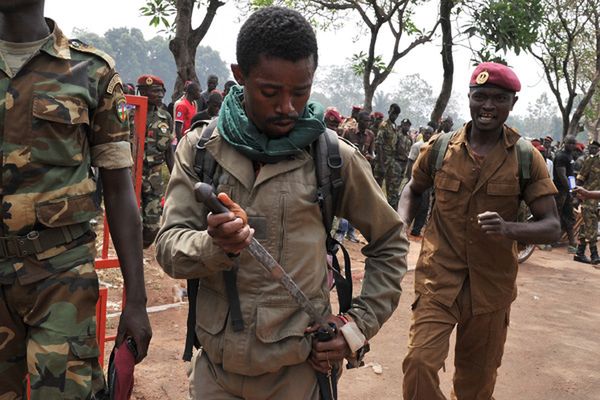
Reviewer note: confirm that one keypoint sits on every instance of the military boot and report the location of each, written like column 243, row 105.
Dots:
column 595, row 259
column 580, row 255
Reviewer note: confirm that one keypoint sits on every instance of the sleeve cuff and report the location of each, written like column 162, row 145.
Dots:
column 113, row 155
column 540, row 188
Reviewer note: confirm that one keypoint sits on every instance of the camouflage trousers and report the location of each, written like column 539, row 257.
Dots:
column 588, row 231
column 391, row 174
column 152, row 192
column 48, row 329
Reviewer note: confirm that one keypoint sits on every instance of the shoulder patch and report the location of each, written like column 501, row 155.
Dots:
column 114, row 81
column 78, row 45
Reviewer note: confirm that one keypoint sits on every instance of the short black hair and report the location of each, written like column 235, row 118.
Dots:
column 396, row 107
column 275, row 32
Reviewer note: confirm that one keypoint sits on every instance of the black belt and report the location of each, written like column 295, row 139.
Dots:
column 38, row 241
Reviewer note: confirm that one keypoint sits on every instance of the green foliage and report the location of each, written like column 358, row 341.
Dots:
column 502, row 25
column 159, row 12
column 135, row 56
column 360, row 60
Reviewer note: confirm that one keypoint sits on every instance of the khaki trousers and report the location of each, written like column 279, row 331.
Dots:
column 209, row 381
column 478, row 353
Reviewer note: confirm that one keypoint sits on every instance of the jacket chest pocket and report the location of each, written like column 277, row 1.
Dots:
column 58, row 130
column 503, row 197
column 446, row 192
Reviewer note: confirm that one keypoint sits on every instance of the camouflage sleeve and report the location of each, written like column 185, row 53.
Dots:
column 109, row 139
column 585, row 171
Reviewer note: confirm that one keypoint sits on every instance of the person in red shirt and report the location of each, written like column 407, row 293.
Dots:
column 185, row 110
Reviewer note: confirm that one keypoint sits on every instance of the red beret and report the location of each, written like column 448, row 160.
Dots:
column 490, row 73
column 540, row 148
column 580, row 146
column 333, row 115
column 150, row 80
column 536, row 142
column 377, row 115
column 356, row 108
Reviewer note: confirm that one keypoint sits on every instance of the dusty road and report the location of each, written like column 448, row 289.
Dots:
column 552, row 352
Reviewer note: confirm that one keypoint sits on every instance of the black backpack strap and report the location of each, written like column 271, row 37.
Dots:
column 438, row 151
column 328, row 165
column 524, row 158
column 191, row 340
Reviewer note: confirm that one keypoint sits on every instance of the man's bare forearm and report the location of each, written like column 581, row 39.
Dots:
column 409, row 204
column 126, row 230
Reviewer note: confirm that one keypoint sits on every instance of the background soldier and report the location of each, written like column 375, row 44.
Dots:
column 386, row 167
column 403, row 145
column 65, row 112
column 589, row 178
column 157, row 152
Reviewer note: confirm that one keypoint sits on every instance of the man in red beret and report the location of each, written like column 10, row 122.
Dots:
column 376, row 120
column 157, row 152
column 467, row 269
column 333, row 118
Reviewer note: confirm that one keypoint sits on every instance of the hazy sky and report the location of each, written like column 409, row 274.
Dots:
column 334, row 47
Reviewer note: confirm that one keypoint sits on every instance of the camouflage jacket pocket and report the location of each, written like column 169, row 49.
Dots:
column 66, row 210
column 58, row 129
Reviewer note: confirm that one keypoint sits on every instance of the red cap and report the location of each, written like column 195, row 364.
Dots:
column 150, row 80
column 333, row 115
column 490, row 73
column 580, row 146
column 535, row 142
column 356, row 108
column 377, row 115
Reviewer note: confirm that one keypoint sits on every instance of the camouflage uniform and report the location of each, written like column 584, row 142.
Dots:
column 158, row 139
column 403, row 146
column 590, row 176
column 390, row 171
column 61, row 114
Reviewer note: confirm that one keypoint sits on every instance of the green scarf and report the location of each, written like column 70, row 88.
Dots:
column 243, row 135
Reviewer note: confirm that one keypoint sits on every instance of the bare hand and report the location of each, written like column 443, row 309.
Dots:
column 325, row 355
column 134, row 322
column 491, row 223
column 582, row 193
column 230, row 231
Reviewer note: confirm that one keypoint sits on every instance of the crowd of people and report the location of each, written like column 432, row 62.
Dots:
column 262, row 145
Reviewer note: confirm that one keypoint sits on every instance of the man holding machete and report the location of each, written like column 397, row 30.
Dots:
column 262, row 144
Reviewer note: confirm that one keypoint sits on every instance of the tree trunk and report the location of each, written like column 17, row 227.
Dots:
column 186, row 41
column 447, row 61
column 369, row 94
column 574, row 123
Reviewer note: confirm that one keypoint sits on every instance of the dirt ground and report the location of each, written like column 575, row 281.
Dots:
column 552, row 351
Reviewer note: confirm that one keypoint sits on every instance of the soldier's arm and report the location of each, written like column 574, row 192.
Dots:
column 385, row 263
column 184, row 249
column 539, row 196
column 126, row 231
column 111, row 153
